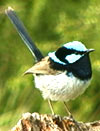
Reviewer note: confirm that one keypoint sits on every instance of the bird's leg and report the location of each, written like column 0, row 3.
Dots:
column 51, row 107
column 70, row 116
column 67, row 110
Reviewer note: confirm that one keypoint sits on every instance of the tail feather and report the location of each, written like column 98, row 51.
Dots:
column 23, row 33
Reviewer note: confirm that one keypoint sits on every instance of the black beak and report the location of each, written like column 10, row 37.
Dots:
column 90, row 50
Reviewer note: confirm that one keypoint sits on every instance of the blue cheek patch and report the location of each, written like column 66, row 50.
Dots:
column 55, row 59
column 73, row 58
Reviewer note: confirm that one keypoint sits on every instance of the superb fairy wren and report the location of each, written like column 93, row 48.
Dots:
column 62, row 75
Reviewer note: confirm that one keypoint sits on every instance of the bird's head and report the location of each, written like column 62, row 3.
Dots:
column 69, row 53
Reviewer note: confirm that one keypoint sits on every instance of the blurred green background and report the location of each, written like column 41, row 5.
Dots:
column 50, row 23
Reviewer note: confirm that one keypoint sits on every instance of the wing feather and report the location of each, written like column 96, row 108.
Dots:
column 42, row 67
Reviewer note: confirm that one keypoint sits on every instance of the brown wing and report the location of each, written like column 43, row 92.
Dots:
column 42, row 67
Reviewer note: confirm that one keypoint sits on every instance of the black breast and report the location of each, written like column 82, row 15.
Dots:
column 81, row 68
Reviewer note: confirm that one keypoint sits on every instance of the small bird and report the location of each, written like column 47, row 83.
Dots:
column 63, row 74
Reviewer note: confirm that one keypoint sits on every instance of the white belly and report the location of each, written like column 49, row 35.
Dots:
column 60, row 87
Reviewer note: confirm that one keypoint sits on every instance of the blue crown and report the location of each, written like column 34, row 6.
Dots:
column 75, row 45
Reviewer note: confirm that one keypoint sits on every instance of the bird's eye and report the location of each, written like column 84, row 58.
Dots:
column 76, row 53
column 79, row 52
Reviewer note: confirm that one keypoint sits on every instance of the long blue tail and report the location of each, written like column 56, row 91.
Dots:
column 23, row 33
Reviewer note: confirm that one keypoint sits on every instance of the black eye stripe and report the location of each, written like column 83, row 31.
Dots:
column 65, row 51
column 62, row 52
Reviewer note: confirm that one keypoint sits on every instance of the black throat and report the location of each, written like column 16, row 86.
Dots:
column 80, row 69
